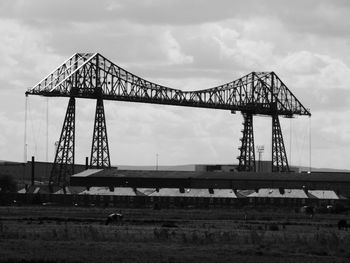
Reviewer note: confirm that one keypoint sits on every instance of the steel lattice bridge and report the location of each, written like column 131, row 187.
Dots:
column 92, row 76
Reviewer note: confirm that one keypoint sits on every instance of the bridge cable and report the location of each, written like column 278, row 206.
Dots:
column 310, row 146
column 47, row 136
column 300, row 143
column 290, row 141
column 25, row 137
column 33, row 135
column 32, row 127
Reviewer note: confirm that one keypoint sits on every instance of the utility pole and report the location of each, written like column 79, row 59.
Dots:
column 157, row 155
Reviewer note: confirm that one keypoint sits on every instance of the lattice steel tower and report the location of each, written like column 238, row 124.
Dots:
column 63, row 165
column 247, row 153
column 99, row 149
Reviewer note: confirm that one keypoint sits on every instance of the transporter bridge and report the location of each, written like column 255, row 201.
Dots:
column 92, row 76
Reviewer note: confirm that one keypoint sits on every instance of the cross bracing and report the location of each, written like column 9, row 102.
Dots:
column 257, row 92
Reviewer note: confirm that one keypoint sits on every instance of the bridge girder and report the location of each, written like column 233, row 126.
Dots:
column 257, row 92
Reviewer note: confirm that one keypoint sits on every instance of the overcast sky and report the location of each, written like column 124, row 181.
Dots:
column 187, row 45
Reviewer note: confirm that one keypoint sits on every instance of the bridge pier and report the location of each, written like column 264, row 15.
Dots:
column 63, row 166
column 279, row 156
column 247, row 151
column 99, row 149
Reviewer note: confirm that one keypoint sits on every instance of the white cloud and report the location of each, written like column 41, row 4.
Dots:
column 322, row 71
column 171, row 43
column 303, row 63
column 24, row 53
column 173, row 50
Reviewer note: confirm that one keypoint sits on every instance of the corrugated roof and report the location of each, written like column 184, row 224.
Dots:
column 145, row 191
column 71, row 190
column 126, row 191
column 225, row 193
column 22, row 191
column 88, row 172
column 244, row 193
column 62, row 192
column 42, row 189
column 275, row 193
column 167, row 192
column 318, row 176
column 217, row 193
column 323, row 194
column 196, row 193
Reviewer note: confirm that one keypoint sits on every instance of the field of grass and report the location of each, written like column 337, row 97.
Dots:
column 77, row 234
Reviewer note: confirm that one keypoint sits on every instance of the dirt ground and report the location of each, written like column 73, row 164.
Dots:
column 79, row 234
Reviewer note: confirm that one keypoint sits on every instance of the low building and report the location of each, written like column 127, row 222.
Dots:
column 322, row 194
column 279, row 193
column 123, row 191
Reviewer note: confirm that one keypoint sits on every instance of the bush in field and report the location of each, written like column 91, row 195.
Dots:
column 339, row 208
column 273, row 228
column 256, row 237
column 7, row 184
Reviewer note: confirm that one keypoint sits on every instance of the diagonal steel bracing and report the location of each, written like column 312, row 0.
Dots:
column 63, row 166
column 279, row 156
column 256, row 91
column 247, row 152
column 100, row 150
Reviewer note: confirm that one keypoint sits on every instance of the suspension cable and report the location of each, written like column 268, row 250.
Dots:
column 25, row 137
column 47, row 135
column 290, row 141
column 25, row 128
column 310, row 146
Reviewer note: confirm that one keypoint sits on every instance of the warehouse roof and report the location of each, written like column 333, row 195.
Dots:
column 215, row 193
column 275, row 193
column 126, row 191
column 322, row 194
column 114, row 172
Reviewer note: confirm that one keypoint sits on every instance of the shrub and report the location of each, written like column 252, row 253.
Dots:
column 7, row 183
column 273, row 228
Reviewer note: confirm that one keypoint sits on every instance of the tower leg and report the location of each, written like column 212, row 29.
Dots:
column 279, row 156
column 99, row 150
column 247, row 152
column 63, row 166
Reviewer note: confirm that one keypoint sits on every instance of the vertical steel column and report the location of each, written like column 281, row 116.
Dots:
column 63, row 165
column 100, row 150
column 279, row 156
column 247, row 155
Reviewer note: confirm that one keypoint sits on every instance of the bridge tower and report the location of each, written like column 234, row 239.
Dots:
column 279, row 156
column 99, row 149
column 247, row 150
column 246, row 159
column 63, row 166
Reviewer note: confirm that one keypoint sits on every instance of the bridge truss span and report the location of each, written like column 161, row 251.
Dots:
column 92, row 76
column 259, row 92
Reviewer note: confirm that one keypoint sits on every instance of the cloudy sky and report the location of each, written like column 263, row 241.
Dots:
column 187, row 45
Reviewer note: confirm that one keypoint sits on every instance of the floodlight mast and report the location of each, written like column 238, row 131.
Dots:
column 260, row 149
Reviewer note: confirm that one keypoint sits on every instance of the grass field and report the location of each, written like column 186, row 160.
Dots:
column 76, row 234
